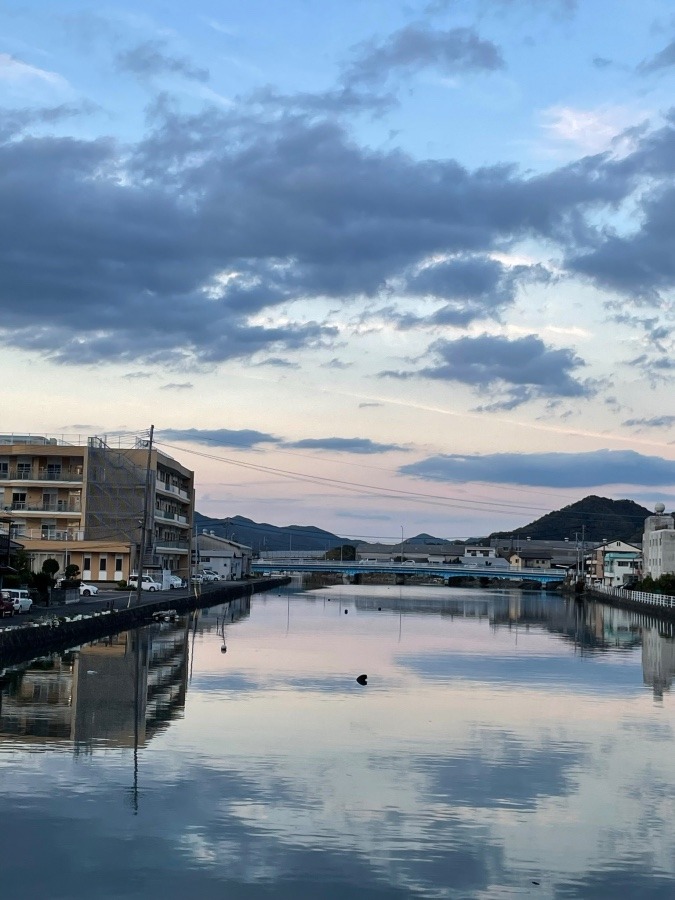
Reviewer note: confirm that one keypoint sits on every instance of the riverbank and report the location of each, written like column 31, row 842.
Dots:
column 57, row 632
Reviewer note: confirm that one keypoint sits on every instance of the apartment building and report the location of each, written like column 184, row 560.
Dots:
column 84, row 504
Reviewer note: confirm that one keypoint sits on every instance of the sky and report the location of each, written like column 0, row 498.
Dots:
column 383, row 268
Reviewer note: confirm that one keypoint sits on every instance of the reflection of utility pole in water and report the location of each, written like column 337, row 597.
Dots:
column 141, row 645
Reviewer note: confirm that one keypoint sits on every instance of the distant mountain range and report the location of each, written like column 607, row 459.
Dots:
column 261, row 536
column 599, row 517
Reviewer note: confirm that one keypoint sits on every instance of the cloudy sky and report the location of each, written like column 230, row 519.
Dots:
column 374, row 266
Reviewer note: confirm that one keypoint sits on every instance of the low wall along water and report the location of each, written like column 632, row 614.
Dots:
column 59, row 633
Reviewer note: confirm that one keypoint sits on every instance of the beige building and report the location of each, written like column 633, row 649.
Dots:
column 83, row 504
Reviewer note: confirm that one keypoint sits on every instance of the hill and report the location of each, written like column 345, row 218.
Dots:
column 262, row 536
column 599, row 517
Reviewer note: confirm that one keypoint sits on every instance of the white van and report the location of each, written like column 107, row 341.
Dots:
column 20, row 598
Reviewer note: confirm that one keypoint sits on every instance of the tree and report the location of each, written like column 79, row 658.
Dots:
column 346, row 553
column 71, row 571
column 50, row 567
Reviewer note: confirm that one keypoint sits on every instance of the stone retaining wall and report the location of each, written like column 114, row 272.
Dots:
column 30, row 640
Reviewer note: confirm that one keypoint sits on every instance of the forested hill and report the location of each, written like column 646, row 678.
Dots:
column 603, row 519
column 264, row 537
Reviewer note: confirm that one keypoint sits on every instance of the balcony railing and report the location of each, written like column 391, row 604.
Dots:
column 59, row 506
column 160, row 543
column 37, row 534
column 173, row 489
column 41, row 474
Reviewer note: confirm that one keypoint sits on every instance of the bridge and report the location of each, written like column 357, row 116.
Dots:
column 438, row 570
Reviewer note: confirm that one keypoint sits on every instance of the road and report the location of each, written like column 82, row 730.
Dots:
column 101, row 601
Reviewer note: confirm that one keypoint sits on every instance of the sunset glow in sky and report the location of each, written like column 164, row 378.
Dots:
column 369, row 266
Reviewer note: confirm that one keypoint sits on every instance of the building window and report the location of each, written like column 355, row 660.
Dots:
column 118, row 563
column 87, row 564
column 102, row 563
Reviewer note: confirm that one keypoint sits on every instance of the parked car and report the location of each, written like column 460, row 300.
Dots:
column 6, row 605
column 197, row 578
column 148, row 583
column 210, row 575
column 20, row 598
column 87, row 590
column 175, row 581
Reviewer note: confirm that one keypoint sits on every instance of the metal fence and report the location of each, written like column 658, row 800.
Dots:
column 636, row 596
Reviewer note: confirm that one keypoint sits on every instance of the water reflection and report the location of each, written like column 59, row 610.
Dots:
column 502, row 739
column 120, row 691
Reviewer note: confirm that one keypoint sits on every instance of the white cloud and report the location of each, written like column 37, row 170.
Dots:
column 16, row 72
column 569, row 130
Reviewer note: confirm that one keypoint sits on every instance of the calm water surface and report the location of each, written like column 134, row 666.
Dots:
column 505, row 745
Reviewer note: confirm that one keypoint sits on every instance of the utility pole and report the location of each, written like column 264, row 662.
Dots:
column 144, row 521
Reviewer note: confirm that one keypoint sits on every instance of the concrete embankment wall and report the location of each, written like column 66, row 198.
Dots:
column 659, row 607
column 30, row 640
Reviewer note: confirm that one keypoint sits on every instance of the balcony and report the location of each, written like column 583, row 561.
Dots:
column 59, row 506
column 162, row 544
column 37, row 534
column 174, row 490
column 166, row 516
column 35, row 473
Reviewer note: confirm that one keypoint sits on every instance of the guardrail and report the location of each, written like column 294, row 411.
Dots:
column 663, row 600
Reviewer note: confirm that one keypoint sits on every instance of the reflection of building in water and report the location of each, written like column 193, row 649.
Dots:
column 101, row 692
column 658, row 660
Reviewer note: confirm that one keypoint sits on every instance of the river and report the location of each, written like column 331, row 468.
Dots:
column 505, row 745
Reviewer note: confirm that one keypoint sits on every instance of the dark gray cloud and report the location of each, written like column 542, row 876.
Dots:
column 243, row 439
column 276, row 362
column 655, row 330
column 653, row 422
column 471, row 286
column 552, row 470
column 336, row 363
column 177, row 386
column 369, row 405
column 222, row 215
column 345, row 445
column 655, row 369
column 636, row 263
column 335, row 102
column 417, row 47
column 664, row 59
column 151, row 59
column 524, row 368
column 15, row 121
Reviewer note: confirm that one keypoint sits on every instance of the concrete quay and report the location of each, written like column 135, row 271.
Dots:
column 64, row 627
column 656, row 605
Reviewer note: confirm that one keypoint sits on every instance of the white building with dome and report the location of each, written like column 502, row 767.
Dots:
column 658, row 544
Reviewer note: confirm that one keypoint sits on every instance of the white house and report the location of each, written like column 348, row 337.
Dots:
column 614, row 563
column 232, row 561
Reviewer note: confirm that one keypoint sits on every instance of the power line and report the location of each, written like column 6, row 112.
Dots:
column 359, row 487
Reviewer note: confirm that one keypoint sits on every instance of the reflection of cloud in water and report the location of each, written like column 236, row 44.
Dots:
column 545, row 673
